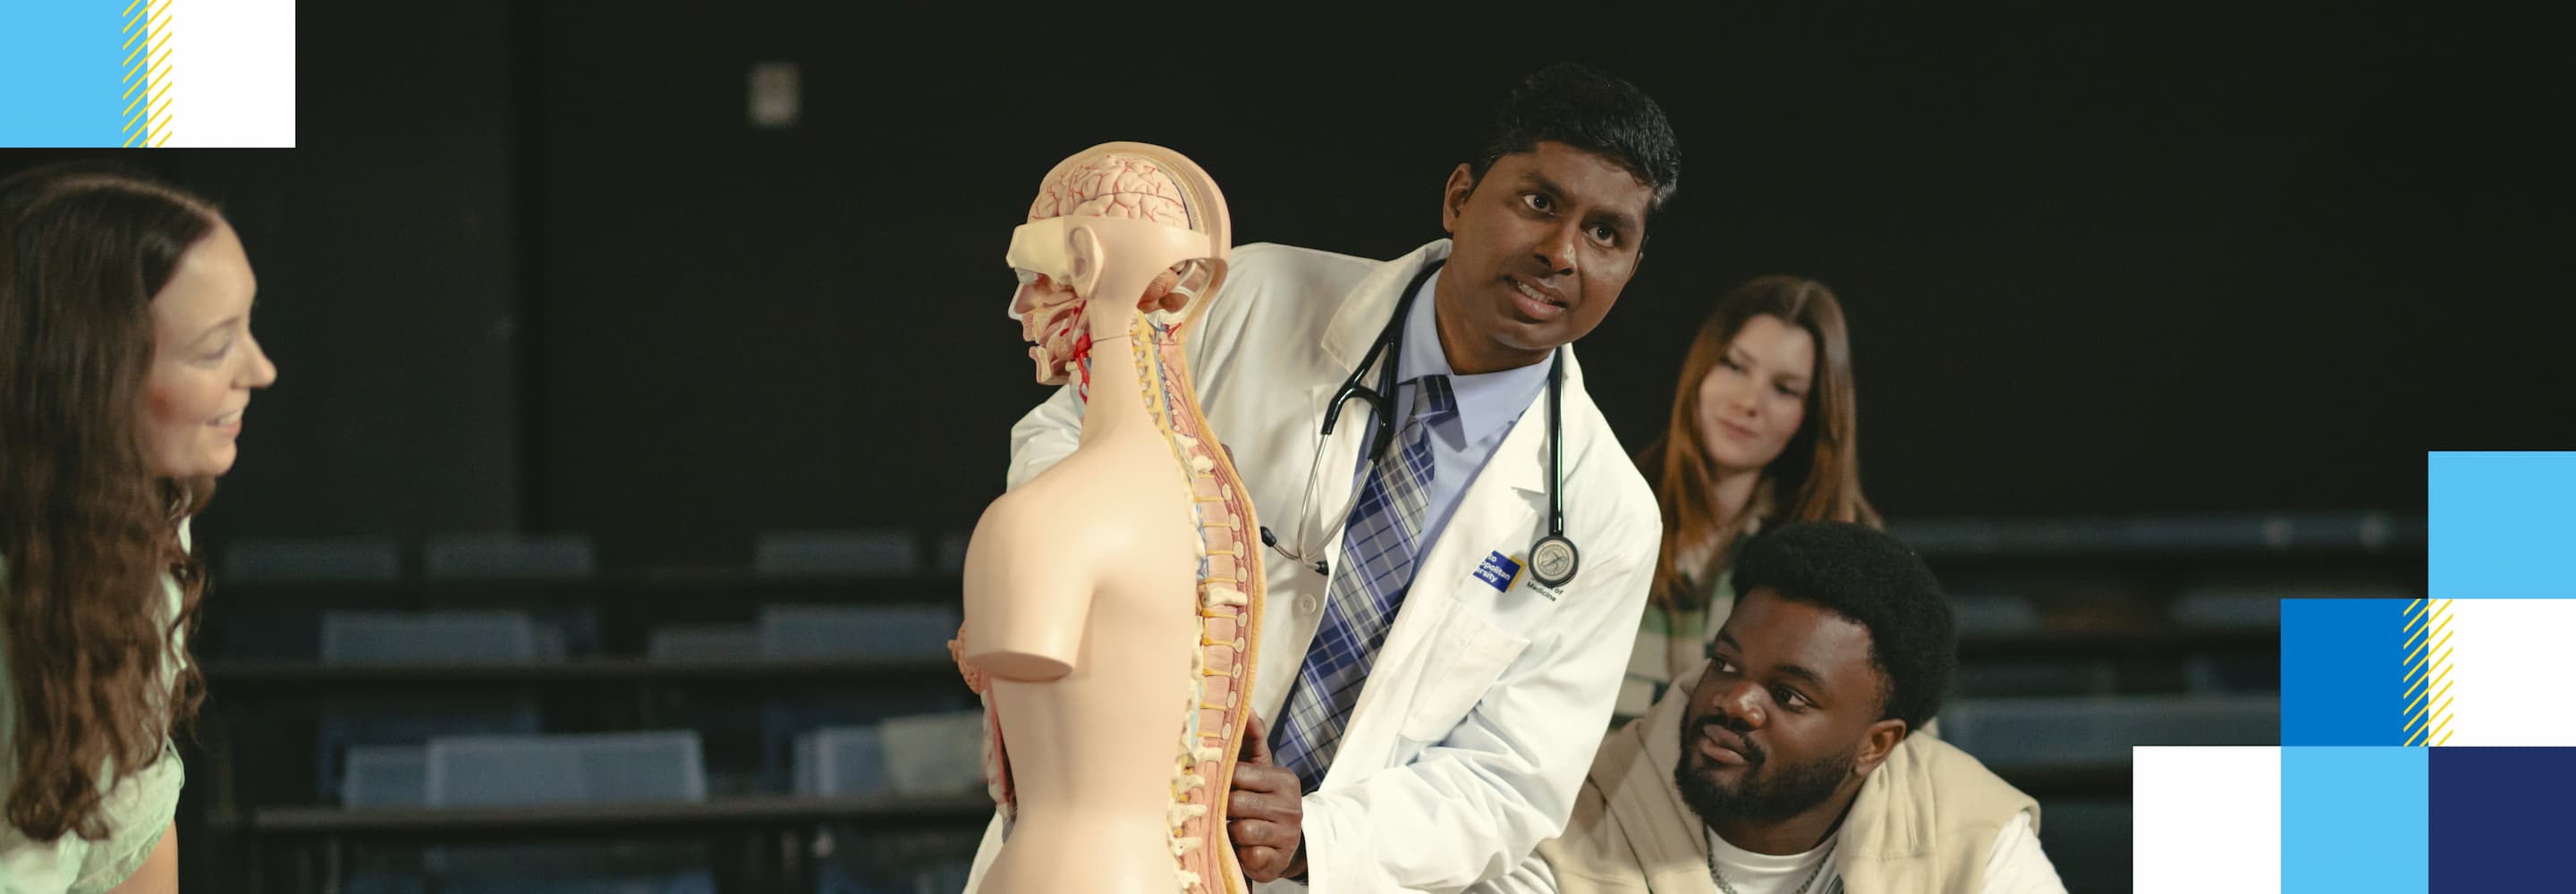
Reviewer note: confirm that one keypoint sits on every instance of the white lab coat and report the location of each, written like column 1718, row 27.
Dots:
column 1472, row 734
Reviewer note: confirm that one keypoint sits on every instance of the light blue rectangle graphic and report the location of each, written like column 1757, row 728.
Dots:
column 2500, row 524
column 2354, row 820
column 64, row 72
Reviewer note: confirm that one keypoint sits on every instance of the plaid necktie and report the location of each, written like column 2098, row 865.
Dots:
column 1379, row 544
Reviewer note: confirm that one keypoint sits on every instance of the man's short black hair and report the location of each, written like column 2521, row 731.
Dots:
column 1593, row 111
column 1864, row 574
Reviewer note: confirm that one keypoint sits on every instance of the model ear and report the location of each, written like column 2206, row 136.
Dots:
column 1084, row 246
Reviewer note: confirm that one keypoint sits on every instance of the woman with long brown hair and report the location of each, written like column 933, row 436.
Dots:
column 1762, row 433
column 126, row 360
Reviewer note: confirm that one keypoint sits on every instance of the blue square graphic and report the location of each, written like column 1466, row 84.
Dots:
column 2343, row 671
column 2353, row 820
column 2498, row 525
column 65, row 62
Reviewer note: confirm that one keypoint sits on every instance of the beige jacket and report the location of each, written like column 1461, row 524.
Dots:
column 1924, row 821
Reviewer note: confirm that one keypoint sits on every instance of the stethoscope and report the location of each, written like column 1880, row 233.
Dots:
column 1552, row 558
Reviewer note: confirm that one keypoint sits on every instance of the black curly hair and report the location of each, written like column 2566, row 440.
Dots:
column 1589, row 110
column 1872, row 578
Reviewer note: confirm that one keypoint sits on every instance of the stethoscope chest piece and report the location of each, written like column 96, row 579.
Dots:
column 1552, row 560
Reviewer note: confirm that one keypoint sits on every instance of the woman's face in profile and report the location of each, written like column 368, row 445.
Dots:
column 204, row 361
column 1752, row 402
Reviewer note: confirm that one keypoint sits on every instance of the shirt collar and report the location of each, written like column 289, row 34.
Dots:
column 1487, row 402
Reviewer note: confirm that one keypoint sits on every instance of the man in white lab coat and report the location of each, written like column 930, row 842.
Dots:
column 1434, row 693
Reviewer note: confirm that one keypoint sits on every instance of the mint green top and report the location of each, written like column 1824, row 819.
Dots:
column 138, row 809
column 1671, row 640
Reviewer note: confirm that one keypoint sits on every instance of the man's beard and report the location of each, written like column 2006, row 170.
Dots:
column 1759, row 796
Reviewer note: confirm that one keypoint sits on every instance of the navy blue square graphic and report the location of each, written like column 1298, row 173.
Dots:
column 2501, row 819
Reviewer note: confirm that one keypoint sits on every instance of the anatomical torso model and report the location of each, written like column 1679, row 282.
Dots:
column 1111, row 601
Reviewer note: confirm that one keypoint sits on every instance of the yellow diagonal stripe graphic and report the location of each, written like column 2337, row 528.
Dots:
column 2419, row 713
column 2428, row 673
column 157, row 124
column 147, row 53
column 2442, row 729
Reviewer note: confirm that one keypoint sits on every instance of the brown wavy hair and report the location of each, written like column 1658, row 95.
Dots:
column 1816, row 477
column 87, row 528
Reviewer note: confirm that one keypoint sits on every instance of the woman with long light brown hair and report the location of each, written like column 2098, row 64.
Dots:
column 126, row 360
column 1762, row 433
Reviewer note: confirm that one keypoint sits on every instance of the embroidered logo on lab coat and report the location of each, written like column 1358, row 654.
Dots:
column 1499, row 571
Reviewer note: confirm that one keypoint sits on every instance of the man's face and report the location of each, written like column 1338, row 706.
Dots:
column 1780, row 722
column 1542, row 247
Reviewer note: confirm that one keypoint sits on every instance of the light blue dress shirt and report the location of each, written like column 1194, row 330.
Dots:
column 1488, row 404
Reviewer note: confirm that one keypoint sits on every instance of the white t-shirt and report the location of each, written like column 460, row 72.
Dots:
column 2015, row 866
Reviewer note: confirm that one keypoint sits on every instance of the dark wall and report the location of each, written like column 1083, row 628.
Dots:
column 2094, row 266
column 384, row 247
column 532, row 267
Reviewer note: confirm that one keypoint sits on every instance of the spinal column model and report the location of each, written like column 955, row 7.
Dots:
column 1111, row 601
